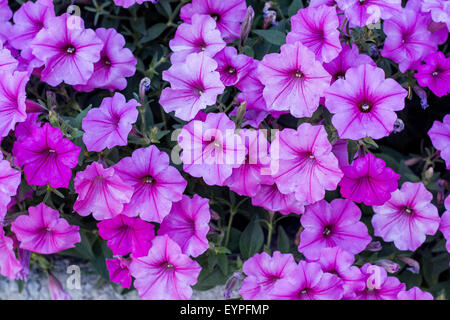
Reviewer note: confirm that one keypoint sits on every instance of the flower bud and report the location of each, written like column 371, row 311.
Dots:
column 422, row 94
column 56, row 290
column 144, row 86
column 413, row 264
column 270, row 19
column 399, row 125
column 231, row 284
column 374, row 246
column 388, row 265
column 247, row 24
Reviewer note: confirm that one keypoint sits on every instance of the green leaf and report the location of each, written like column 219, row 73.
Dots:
column 252, row 239
column 352, row 148
column 153, row 32
column 284, row 245
column 272, row 36
column 210, row 278
column 294, row 7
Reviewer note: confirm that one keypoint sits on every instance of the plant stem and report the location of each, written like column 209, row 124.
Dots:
column 230, row 221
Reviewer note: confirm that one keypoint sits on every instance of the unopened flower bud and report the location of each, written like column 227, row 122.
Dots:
column 413, row 161
column 429, row 173
column 247, row 24
column 56, row 290
column 214, row 215
column 399, row 125
column 374, row 246
column 231, row 284
column 388, row 265
column 270, row 19
column 144, row 86
column 241, row 112
column 414, row 266
column 422, row 94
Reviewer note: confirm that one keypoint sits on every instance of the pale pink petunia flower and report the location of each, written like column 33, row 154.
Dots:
column 119, row 271
column 165, row 273
column 435, row 74
column 414, row 294
column 440, row 137
column 445, row 223
column 109, row 125
column 44, row 231
column 129, row 3
column 10, row 266
column 232, row 66
column 407, row 217
column 9, row 182
column 439, row 10
column 270, row 198
column 365, row 12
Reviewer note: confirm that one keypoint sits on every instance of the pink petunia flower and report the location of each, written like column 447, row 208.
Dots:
column 407, row 217
column 5, row 11
column 43, row 231
column 439, row 10
column 334, row 224
column 435, row 74
column 100, row 192
column 156, row 184
column 304, row 163
column 201, row 35
column 270, row 198
column 25, row 129
column 69, row 52
column 109, row 125
column 47, row 157
column 12, row 100
column 440, row 137
column 414, row 294
column 378, row 285
column 363, row 13
column 119, row 271
column 227, row 14
column 211, row 149
column 10, row 266
column 445, row 222
column 8, row 63
column 129, row 3
column 9, row 182
column 364, row 103
column 368, row 180
column 308, row 282
column 317, row 29
column 115, row 65
column 232, row 66
column 263, row 271
column 194, row 85
column 408, row 39
column 126, row 235
column 294, row 80
column 165, row 273
column 188, row 224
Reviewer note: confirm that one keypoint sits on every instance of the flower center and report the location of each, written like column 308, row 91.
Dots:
column 365, row 107
column 148, row 179
column 327, row 231
column 408, row 211
column 70, row 49
column 298, row 74
column 51, row 151
column 48, row 229
column 106, row 61
column 215, row 16
column 169, row 265
column 435, row 73
column 231, row 70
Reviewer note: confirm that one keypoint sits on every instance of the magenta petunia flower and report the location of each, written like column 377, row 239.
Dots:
column 165, row 273
column 69, row 52
column 43, row 231
column 211, row 149
column 25, row 129
column 194, row 85
column 115, row 65
column 227, row 14
column 365, row 12
column 47, row 157
column 10, row 266
column 435, row 74
column 439, row 10
column 9, row 182
column 339, row 262
column 308, row 282
column 109, row 125
column 8, row 63
column 364, row 103
column 119, row 271
column 408, row 39
column 378, row 285
column 270, row 198
column 334, row 224
column 156, row 184
column 445, row 222
column 368, row 180
column 129, row 3
column 440, row 137
column 263, row 271
column 407, row 217
column 100, row 192
column 188, row 224
column 317, row 29
column 294, row 80
column 201, row 35
column 303, row 162
column 126, row 235
column 232, row 66
column 414, row 294
column 12, row 100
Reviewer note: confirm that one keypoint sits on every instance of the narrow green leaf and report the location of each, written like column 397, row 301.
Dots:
column 252, row 239
column 272, row 36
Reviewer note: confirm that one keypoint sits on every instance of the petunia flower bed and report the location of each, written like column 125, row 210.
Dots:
column 287, row 149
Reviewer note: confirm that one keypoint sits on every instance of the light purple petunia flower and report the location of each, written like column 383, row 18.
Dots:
column 47, row 157
column 414, row 294
column 5, row 11
column 363, row 13
column 368, row 180
column 129, row 3
column 232, row 66
column 126, row 235
column 334, row 224
column 294, row 80
column 270, row 198
column 100, row 192
column 156, row 184
column 435, row 74
column 194, row 85
column 378, row 285
column 8, row 63
column 303, row 163
column 263, row 271
column 440, row 137
column 9, row 182
column 188, row 224
column 109, row 125
column 308, row 282
column 119, row 271
column 165, row 273
column 211, row 149
column 317, row 29
column 445, row 222
column 43, row 231
column 69, row 52
column 439, row 10
column 10, row 266
column 12, row 100
column 115, row 65
column 407, row 217
column 408, row 39
column 227, row 14
column 201, row 35
column 364, row 103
